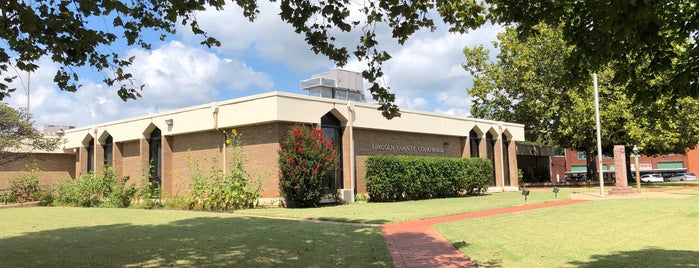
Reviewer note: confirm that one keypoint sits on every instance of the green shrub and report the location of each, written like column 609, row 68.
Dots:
column 118, row 194
column 147, row 196
column 46, row 196
column 24, row 187
column 394, row 178
column 7, row 197
column 175, row 202
column 84, row 191
column 91, row 191
column 307, row 164
column 216, row 190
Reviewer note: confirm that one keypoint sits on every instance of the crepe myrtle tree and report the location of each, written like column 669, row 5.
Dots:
column 307, row 163
column 661, row 33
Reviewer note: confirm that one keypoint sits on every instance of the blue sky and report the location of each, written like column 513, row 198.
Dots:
column 425, row 73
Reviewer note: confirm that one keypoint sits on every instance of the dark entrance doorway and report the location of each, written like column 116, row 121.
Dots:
column 332, row 129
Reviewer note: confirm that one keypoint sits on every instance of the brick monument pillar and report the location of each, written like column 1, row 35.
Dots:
column 621, row 186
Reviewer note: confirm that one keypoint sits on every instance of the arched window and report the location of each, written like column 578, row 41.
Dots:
column 108, row 155
column 91, row 156
column 474, row 142
column 155, row 151
column 490, row 142
column 506, row 159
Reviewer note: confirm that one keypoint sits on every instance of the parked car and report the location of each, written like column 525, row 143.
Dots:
column 651, row 178
column 682, row 177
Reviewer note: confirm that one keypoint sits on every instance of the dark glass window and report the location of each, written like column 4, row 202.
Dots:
column 108, row 154
column 91, row 156
column 506, row 159
column 490, row 142
column 332, row 129
column 155, row 151
column 473, row 143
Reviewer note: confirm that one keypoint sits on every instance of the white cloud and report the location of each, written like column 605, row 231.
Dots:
column 175, row 76
column 429, row 65
column 267, row 38
column 452, row 111
column 416, row 103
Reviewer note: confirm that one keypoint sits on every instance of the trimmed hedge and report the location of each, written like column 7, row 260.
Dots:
column 395, row 178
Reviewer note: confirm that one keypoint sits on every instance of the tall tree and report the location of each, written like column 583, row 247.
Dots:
column 529, row 83
column 651, row 45
column 18, row 138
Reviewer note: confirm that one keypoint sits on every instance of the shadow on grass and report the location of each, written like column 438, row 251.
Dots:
column 349, row 220
column 651, row 257
column 196, row 242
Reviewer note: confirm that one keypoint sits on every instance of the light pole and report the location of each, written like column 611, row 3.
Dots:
column 638, row 169
column 599, row 137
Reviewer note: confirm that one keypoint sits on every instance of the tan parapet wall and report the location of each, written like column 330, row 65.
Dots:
column 284, row 107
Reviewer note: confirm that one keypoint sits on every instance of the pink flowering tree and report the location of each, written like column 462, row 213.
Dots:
column 307, row 164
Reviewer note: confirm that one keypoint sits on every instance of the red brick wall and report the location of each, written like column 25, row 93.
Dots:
column 365, row 138
column 693, row 161
column 131, row 163
column 261, row 149
column 81, row 161
column 205, row 150
column 558, row 167
column 53, row 167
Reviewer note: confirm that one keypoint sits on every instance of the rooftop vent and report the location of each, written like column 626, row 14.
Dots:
column 335, row 84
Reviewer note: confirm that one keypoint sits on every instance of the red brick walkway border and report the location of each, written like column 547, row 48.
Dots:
column 417, row 244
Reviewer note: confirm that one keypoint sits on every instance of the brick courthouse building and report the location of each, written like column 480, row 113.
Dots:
column 168, row 142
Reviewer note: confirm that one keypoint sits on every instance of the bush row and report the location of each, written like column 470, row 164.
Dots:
column 394, row 178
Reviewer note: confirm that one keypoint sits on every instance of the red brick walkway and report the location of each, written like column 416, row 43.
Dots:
column 417, row 244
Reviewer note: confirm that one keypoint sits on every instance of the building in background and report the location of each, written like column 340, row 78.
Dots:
column 665, row 165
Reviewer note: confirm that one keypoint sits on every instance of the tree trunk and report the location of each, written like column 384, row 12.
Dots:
column 590, row 160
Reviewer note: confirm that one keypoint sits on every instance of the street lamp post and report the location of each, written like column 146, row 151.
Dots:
column 599, row 137
column 638, row 169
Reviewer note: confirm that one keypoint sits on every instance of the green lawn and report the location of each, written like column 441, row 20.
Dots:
column 91, row 237
column 609, row 233
column 381, row 213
